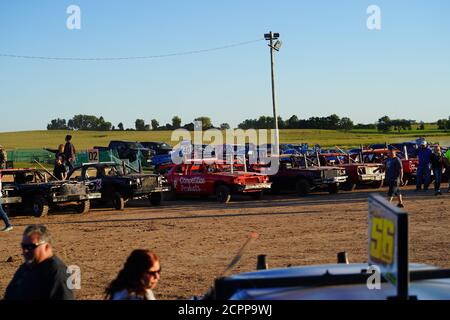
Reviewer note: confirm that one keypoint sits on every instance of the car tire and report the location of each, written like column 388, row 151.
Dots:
column 40, row 207
column 275, row 189
column 333, row 188
column 83, row 207
column 257, row 195
column 155, row 198
column 349, row 186
column 118, row 201
column 378, row 184
column 302, row 187
column 223, row 194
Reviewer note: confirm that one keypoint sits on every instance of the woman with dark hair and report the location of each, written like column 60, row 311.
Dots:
column 138, row 277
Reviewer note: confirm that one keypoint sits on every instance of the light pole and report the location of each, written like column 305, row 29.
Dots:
column 271, row 36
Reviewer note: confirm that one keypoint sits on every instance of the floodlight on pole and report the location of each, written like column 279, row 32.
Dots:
column 271, row 36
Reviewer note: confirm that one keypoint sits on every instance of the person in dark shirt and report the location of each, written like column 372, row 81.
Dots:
column 42, row 276
column 394, row 177
column 60, row 171
column 437, row 164
column 424, row 168
column 69, row 152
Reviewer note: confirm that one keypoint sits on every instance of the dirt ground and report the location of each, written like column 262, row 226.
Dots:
column 196, row 239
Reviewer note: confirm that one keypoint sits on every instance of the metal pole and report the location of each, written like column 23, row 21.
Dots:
column 275, row 115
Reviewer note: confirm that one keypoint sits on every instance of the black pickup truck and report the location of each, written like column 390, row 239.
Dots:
column 35, row 189
column 129, row 150
column 119, row 183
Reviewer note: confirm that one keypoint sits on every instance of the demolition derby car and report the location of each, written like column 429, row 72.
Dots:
column 387, row 274
column 359, row 173
column 36, row 189
column 216, row 178
column 295, row 174
column 119, row 183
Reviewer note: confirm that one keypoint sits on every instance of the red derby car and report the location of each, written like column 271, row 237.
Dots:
column 216, row 178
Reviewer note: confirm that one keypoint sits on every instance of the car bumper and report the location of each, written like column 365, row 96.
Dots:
column 371, row 177
column 73, row 198
column 332, row 180
column 146, row 191
column 10, row 200
column 253, row 187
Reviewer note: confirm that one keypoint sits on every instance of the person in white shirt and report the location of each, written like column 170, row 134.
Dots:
column 137, row 279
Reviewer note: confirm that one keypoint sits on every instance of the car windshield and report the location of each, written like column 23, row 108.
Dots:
column 134, row 145
column 114, row 171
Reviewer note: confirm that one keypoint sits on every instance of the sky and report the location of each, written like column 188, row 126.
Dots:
column 330, row 62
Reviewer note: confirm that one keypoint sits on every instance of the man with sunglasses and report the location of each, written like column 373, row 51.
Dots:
column 42, row 276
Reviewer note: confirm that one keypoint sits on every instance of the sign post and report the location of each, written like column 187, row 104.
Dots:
column 388, row 243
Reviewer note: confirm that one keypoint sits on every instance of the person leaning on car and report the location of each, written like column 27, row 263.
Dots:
column 43, row 276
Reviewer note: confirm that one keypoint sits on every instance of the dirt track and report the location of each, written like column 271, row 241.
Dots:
column 196, row 239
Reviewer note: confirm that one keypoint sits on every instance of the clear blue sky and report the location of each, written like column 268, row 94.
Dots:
column 329, row 63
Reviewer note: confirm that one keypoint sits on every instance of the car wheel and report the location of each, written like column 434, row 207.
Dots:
column 118, row 201
column 333, row 188
column 40, row 207
column 349, row 186
column 83, row 207
column 302, row 187
column 275, row 189
column 223, row 194
column 155, row 198
column 378, row 184
column 257, row 195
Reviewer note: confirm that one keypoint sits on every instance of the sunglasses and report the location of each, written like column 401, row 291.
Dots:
column 31, row 246
column 154, row 273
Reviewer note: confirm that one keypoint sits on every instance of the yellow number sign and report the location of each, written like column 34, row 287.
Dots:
column 382, row 238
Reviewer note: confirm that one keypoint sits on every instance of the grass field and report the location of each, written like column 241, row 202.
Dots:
column 328, row 138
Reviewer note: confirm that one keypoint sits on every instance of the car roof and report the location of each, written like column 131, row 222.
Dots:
column 436, row 288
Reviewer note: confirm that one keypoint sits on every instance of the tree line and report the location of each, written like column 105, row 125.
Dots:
column 331, row 122
column 93, row 123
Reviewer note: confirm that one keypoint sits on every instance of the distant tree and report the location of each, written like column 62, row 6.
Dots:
column 57, row 124
column 443, row 124
column 421, row 125
column 139, row 124
column 154, row 124
column 345, row 124
column 189, row 126
column 292, row 122
column 120, row 126
column 224, row 126
column 206, row 122
column 176, row 122
column 384, row 124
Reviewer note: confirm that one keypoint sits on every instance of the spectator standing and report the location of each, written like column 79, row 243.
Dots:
column 3, row 215
column 43, row 276
column 424, row 168
column 69, row 152
column 437, row 164
column 394, row 177
column 447, row 167
column 3, row 158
